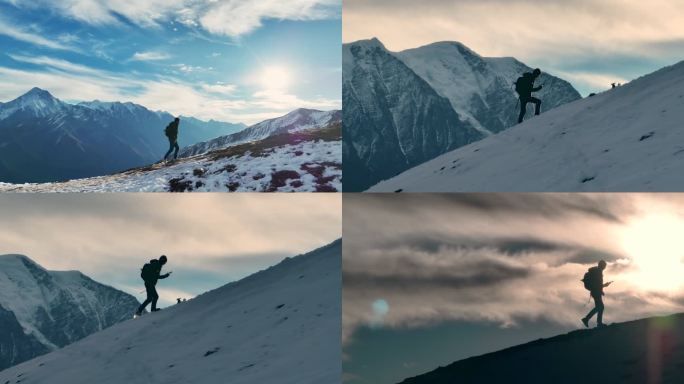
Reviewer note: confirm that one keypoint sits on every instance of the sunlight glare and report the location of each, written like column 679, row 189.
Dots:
column 274, row 77
column 655, row 243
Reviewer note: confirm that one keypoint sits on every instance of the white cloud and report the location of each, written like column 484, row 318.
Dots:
column 150, row 56
column 239, row 17
column 591, row 80
column 225, row 89
column 20, row 34
column 226, row 17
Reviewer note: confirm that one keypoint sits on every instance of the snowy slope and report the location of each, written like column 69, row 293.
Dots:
column 626, row 139
column 44, row 139
column 281, row 325
column 54, row 308
column 642, row 351
column 481, row 89
column 295, row 121
column 302, row 161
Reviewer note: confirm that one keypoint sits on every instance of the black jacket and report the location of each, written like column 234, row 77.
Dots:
column 526, row 85
column 171, row 130
column 155, row 272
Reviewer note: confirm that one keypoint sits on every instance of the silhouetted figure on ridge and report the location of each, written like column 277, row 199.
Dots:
column 151, row 272
column 524, row 86
column 171, row 132
column 593, row 281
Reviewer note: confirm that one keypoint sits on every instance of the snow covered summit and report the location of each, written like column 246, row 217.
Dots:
column 626, row 139
column 281, row 325
column 36, row 101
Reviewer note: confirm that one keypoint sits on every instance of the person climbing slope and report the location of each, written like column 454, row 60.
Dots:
column 524, row 86
column 151, row 273
column 593, row 282
column 171, row 132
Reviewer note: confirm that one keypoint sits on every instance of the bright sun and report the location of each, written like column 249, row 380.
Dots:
column 274, row 77
column 656, row 245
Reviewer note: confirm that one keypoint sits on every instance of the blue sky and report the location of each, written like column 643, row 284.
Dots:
column 590, row 43
column 210, row 239
column 231, row 60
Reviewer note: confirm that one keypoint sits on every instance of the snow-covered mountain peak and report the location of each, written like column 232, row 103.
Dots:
column 36, row 101
column 370, row 43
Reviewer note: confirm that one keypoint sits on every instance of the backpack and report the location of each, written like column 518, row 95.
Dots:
column 520, row 87
column 589, row 280
column 147, row 271
column 167, row 130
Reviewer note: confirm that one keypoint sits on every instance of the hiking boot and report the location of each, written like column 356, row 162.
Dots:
column 600, row 325
column 156, row 309
column 585, row 321
column 138, row 313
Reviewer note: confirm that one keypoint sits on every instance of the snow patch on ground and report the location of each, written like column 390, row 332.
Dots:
column 294, row 162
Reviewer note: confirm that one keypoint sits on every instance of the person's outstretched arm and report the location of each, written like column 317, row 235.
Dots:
column 536, row 89
column 164, row 276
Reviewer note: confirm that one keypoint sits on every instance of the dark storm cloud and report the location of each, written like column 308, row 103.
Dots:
column 542, row 205
column 418, row 274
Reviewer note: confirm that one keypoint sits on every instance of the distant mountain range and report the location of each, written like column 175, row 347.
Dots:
column 402, row 109
column 44, row 139
column 42, row 310
column 298, row 120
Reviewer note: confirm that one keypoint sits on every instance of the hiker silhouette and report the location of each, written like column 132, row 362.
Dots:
column 524, row 86
column 151, row 272
column 593, row 281
column 171, row 132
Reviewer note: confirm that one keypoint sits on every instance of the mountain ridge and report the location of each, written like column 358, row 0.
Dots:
column 637, row 351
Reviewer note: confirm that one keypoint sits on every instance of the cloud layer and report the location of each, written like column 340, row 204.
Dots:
column 232, row 18
column 500, row 258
